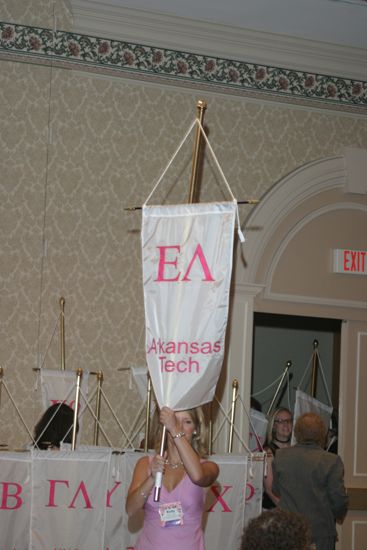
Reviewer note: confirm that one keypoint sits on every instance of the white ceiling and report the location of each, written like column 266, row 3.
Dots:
column 322, row 36
column 342, row 22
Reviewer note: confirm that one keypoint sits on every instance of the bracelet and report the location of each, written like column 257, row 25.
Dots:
column 179, row 435
column 144, row 495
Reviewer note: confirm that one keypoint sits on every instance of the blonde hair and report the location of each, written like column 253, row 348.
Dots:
column 270, row 430
column 199, row 439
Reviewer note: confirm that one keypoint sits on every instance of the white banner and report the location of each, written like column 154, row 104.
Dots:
column 76, row 499
column 225, row 503
column 254, row 486
column 15, row 498
column 187, row 262
column 306, row 403
column 59, row 386
column 115, row 532
column 69, row 492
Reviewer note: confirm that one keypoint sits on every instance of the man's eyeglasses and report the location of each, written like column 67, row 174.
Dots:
column 283, row 421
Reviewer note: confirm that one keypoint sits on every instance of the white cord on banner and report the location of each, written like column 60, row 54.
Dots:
column 322, row 375
column 288, row 391
column 305, row 371
column 49, row 344
column 267, row 387
column 115, row 417
column 197, row 121
column 53, row 416
column 251, row 424
column 87, row 406
column 240, row 234
column 323, row 379
column 17, row 409
column 234, row 427
column 170, row 162
column 226, row 418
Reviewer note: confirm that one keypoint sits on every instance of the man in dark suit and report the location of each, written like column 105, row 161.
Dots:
column 309, row 480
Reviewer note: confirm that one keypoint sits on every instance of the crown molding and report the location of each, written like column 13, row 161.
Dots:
column 205, row 38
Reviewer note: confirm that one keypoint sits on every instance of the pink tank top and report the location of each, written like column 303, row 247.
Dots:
column 188, row 536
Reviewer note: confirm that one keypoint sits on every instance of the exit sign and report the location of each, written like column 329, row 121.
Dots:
column 352, row 262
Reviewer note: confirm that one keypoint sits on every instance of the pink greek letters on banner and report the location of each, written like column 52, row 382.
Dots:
column 79, row 482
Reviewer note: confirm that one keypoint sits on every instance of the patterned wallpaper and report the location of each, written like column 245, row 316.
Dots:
column 75, row 150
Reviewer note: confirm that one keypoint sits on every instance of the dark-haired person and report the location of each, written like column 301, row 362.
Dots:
column 309, row 480
column 277, row 530
column 55, row 426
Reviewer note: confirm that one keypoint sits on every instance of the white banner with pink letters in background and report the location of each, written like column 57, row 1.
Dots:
column 15, row 500
column 69, row 492
column 76, row 500
column 187, row 264
column 59, row 386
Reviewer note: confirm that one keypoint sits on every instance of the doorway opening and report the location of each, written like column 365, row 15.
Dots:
column 281, row 338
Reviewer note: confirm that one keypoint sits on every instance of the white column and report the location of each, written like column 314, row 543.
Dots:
column 238, row 364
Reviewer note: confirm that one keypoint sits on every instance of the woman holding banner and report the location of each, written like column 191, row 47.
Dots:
column 174, row 521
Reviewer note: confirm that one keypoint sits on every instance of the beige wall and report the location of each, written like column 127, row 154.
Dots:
column 75, row 150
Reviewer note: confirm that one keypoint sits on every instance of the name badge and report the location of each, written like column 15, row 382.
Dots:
column 171, row 514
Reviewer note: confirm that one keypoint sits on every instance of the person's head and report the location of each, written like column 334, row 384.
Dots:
column 55, row 426
column 255, row 404
column 191, row 421
column 280, row 425
column 277, row 530
column 310, row 428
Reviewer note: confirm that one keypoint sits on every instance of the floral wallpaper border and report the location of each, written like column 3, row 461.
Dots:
column 73, row 50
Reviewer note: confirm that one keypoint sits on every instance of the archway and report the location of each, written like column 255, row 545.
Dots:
column 286, row 267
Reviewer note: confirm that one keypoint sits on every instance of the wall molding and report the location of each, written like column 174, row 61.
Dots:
column 71, row 50
column 294, row 231
column 285, row 196
column 218, row 40
column 357, row 498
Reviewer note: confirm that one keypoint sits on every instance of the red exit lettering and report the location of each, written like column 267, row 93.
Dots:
column 354, row 261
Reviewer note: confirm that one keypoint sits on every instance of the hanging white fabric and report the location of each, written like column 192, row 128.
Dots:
column 224, row 514
column 258, row 428
column 59, row 386
column 306, row 403
column 254, row 486
column 15, row 500
column 69, row 491
column 187, row 263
